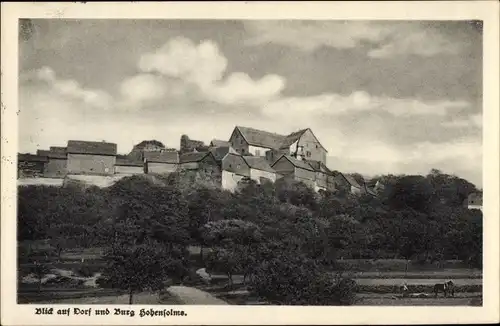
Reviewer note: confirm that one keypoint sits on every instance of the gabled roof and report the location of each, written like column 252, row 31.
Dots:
column 31, row 158
column 220, row 152
column 370, row 191
column 351, row 181
column 219, row 143
column 292, row 138
column 297, row 163
column 258, row 163
column 161, row 157
column 319, row 167
column 261, row 138
column 91, row 148
column 201, row 149
column 193, row 157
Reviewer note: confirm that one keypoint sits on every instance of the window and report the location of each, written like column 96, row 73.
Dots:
column 308, row 154
column 241, row 141
column 317, row 146
column 242, row 151
column 257, row 152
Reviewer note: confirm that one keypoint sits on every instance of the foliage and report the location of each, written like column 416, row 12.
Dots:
column 141, row 267
column 292, row 279
column 274, row 234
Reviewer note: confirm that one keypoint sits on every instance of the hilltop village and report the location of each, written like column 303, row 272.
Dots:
column 248, row 154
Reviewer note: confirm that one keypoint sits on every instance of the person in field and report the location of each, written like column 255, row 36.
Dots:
column 446, row 288
column 404, row 289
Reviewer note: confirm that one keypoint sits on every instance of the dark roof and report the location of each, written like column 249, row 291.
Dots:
column 51, row 154
column 351, row 181
column 193, row 157
column 31, row 158
column 292, row 138
column 219, row 143
column 144, row 143
column 297, row 163
column 42, row 152
column 202, row 148
column 258, row 163
column 91, row 147
column 320, row 167
column 260, row 138
column 370, row 191
column 162, row 157
column 220, row 152
column 126, row 160
column 58, row 149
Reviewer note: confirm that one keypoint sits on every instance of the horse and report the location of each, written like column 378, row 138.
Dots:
column 446, row 288
column 404, row 289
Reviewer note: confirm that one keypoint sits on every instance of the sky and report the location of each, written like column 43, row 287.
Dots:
column 383, row 97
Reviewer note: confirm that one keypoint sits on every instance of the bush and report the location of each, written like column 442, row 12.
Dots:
column 64, row 281
column 295, row 280
column 84, row 271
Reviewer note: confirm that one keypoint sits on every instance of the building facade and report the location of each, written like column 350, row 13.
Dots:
column 250, row 141
column 200, row 166
column 161, row 162
column 294, row 169
column 475, row 201
column 30, row 166
column 56, row 166
column 304, row 144
column 94, row 158
column 125, row 165
column 237, row 168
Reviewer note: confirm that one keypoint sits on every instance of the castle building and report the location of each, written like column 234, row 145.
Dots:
column 301, row 144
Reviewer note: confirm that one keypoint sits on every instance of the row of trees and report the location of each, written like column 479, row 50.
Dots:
column 284, row 239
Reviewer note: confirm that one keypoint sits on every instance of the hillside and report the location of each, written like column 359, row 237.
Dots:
column 274, row 232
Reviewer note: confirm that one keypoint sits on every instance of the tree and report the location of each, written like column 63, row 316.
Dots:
column 413, row 191
column 291, row 279
column 139, row 267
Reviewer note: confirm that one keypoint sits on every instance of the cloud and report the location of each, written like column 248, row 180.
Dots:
column 372, row 157
column 422, row 42
column 360, row 101
column 185, row 87
column 204, row 66
column 69, row 88
column 239, row 87
column 147, row 88
column 310, row 35
column 386, row 39
column 474, row 121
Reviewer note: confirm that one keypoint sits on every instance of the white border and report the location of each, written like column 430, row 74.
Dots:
column 488, row 11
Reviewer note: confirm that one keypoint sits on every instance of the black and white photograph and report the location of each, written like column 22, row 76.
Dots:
column 249, row 162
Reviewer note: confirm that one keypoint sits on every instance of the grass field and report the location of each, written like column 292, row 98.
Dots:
column 378, row 284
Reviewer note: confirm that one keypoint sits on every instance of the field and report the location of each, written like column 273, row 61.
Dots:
column 378, row 284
